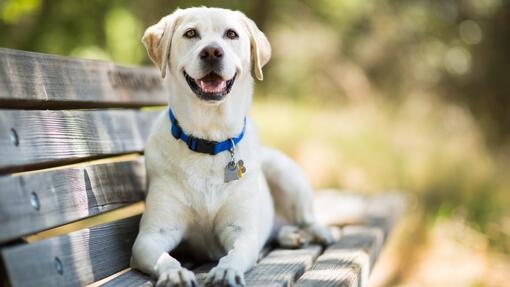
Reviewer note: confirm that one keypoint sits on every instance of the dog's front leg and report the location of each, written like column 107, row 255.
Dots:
column 161, row 230
column 237, row 232
column 242, row 254
column 150, row 255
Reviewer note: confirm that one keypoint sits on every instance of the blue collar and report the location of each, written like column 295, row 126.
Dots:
column 201, row 145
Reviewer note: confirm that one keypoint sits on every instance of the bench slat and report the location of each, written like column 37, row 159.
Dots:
column 131, row 278
column 76, row 259
column 34, row 202
column 33, row 80
column 348, row 261
column 31, row 139
column 345, row 263
column 282, row 267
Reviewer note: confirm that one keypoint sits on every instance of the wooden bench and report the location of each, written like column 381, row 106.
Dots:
column 72, row 183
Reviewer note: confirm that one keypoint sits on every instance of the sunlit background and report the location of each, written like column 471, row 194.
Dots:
column 367, row 96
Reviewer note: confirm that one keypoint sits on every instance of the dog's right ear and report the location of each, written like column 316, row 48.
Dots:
column 157, row 39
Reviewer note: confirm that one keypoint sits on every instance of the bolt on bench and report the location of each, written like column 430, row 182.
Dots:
column 72, row 183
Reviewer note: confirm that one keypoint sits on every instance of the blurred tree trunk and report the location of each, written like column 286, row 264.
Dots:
column 488, row 88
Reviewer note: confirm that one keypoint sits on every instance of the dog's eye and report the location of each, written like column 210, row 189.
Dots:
column 191, row 33
column 231, row 34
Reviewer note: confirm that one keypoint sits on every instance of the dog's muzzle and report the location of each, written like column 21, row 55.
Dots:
column 212, row 87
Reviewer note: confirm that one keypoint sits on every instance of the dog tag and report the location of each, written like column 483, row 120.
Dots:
column 231, row 172
column 234, row 171
column 240, row 168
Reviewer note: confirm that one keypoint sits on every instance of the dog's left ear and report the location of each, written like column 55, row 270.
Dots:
column 157, row 39
column 260, row 47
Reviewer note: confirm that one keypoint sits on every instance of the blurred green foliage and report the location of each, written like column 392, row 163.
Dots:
column 458, row 48
column 383, row 94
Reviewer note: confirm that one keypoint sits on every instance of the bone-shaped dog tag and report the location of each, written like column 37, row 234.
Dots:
column 240, row 168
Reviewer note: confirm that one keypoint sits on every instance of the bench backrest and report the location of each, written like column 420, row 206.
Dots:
column 72, row 134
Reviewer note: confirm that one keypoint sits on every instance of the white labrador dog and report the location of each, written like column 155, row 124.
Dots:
column 211, row 184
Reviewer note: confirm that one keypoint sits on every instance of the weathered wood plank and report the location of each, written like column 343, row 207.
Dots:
column 136, row 278
column 76, row 259
column 33, row 80
column 34, row 202
column 348, row 261
column 131, row 278
column 41, row 137
column 282, row 267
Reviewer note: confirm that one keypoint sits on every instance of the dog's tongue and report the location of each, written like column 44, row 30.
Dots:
column 212, row 83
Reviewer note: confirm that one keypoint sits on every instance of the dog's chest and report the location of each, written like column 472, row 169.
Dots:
column 203, row 174
column 207, row 194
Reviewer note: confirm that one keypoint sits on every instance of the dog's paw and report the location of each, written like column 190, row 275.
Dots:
column 219, row 276
column 320, row 234
column 291, row 236
column 177, row 277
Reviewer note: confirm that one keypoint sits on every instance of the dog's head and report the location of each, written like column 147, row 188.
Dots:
column 207, row 49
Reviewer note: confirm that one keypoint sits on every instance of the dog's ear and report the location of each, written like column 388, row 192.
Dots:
column 260, row 47
column 157, row 39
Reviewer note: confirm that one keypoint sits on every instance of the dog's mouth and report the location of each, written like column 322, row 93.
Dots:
column 211, row 87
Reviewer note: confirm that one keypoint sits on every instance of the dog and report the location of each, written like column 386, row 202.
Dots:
column 210, row 183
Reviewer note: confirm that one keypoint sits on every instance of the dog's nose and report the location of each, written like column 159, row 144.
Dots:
column 211, row 53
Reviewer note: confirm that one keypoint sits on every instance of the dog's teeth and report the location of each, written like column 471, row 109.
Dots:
column 222, row 86
column 202, row 85
column 212, row 87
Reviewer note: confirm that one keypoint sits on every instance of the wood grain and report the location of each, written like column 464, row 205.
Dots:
column 34, row 202
column 131, row 278
column 348, row 261
column 282, row 267
column 42, row 137
column 76, row 259
column 33, row 80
